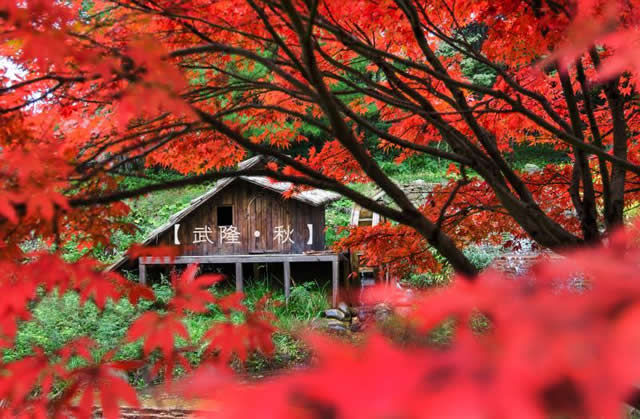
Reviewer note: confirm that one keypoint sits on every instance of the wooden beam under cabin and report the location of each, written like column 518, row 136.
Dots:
column 334, row 282
column 239, row 278
column 142, row 269
column 257, row 258
column 287, row 280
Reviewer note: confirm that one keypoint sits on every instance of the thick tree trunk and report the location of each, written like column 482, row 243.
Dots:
column 618, row 174
column 620, row 137
column 585, row 205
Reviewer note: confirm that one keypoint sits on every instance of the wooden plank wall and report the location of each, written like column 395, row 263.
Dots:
column 254, row 209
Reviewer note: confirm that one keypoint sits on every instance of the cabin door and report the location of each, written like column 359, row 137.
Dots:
column 259, row 212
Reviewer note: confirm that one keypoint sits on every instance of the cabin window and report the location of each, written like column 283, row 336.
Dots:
column 225, row 216
column 366, row 217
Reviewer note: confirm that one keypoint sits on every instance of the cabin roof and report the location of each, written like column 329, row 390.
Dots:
column 314, row 197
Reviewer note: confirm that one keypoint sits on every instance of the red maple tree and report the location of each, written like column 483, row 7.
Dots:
column 87, row 88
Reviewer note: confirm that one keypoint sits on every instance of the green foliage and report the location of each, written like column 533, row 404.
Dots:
column 537, row 154
column 481, row 255
column 427, row 280
column 306, row 302
column 478, row 73
column 58, row 320
column 290, row 352
column 422, row 167
column 337, row 214
column 474, row 70
column 147, row 213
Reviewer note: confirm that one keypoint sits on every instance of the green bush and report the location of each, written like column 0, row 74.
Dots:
column 337, row 214
column 306, row 302
column 58, row 320
column 422, row 167
column 482, row 255
column 427, row 280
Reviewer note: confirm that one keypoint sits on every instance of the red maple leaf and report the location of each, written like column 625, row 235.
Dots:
column 158, row 331
column 191, row 292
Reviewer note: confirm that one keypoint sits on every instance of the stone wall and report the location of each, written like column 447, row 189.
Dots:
column 150, row 413
column 518, row 263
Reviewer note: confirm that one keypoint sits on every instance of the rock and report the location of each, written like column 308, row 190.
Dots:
column 382, row 312
column 364, row 313
column 334, row 313
column 337, row 327
column 319, row 323
column 330, row 325
column 342, row 306
column 531, row 168
column 356, row 325
column 348, row 311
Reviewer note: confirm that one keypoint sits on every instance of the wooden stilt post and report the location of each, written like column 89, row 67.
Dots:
column 142, row 268
column 239, row 277
column 287, row 280
column 334, row 282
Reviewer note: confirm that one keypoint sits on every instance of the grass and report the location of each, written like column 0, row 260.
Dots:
column 58, row 320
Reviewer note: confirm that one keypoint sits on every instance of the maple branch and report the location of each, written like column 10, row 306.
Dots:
column 533, row 217
column 485, row 137
column 597, row 139
column 393, row 139
column 314, row 178
column 276, row 38
column 561, row 133
column 147, row 147
column 227, row 49
column 586, row 206
column 471, row 52
column 399, row 141
column 451, row 197
column 32, row 101
column 173, row 184
column 616, row 102
column 47, row 77
column 436, row 238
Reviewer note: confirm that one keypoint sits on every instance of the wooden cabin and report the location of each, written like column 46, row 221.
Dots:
column 246, row 220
